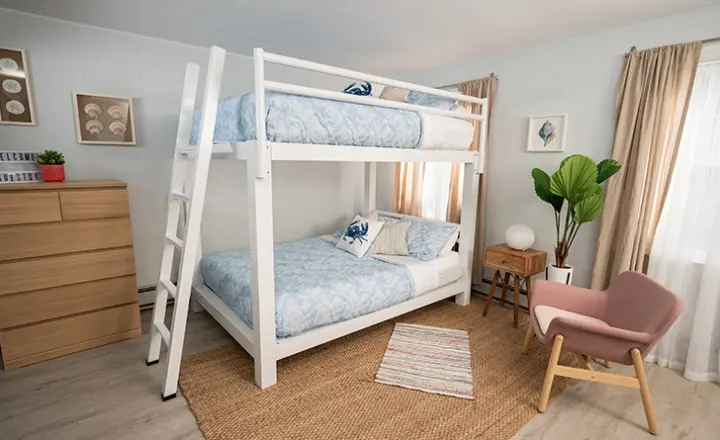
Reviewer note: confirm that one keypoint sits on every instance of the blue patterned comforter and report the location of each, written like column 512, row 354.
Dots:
column 301, row 119
column 315, row 284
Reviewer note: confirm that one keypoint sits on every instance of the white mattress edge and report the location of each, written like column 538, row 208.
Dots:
column 428, row 275
column 445, row 133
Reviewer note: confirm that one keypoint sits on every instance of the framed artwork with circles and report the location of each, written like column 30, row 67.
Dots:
column 16, row 105
column 103, row 119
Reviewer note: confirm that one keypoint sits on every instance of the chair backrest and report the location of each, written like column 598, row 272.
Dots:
column 636, row 302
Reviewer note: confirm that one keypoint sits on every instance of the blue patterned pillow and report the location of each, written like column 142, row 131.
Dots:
column 426, row 100
column 425, row 238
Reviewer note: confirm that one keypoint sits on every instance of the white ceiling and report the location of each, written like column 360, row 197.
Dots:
column 377, row 35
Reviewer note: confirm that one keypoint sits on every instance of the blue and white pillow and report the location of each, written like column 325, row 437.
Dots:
column 426, row 100
column 426, row 239
column 363, row 88
column 359, row 236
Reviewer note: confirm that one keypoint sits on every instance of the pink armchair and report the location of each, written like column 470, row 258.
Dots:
column 621, row 324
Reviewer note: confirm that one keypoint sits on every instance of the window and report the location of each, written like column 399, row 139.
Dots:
column 691, row 214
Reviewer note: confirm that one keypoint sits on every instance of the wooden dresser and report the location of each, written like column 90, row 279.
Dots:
column 67, row 270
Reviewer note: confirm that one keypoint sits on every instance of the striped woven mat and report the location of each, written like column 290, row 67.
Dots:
column 431, row 359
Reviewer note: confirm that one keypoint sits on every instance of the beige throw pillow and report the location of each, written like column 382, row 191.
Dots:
column 392, row 240
column 394, row 94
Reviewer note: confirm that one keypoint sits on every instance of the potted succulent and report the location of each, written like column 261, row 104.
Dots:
column 52, row 166
column 576, row 182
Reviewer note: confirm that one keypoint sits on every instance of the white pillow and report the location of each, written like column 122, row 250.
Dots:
column 359, row 236
column 392, row 240
column 447, row 249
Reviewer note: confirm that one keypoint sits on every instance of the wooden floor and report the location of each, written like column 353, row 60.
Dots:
column 108, row 393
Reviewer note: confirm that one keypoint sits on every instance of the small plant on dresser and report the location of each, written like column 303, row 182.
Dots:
column 52, row 166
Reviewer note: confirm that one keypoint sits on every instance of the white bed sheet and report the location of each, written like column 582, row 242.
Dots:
column 428, row 275
column 445, row 133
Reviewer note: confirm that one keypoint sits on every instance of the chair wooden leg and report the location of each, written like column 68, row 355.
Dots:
column 516, row 310
column 506, row 284
column 644, row 390
column 528, row 337
column 550, row 373
column 491, row 293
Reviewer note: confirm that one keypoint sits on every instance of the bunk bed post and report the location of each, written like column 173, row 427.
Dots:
column 471, row 189
column 259, row 179
column 370, row 186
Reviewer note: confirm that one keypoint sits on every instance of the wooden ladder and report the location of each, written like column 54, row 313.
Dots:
column 188, row 183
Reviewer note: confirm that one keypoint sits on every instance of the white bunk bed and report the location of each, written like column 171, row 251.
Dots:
column 186, row 200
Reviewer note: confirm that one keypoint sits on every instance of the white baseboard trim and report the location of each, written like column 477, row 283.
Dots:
column 146, row 298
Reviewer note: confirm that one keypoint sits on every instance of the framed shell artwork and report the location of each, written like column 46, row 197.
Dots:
column 547, row 133
column 15, row 97
column 103, row 119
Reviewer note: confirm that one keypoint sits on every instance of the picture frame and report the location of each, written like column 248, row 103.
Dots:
column 104, row 119
column 16, row 102
column 547, row 134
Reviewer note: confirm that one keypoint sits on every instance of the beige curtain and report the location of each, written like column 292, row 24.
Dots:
column 652, row 102
column 482, row 88
column 408, row 188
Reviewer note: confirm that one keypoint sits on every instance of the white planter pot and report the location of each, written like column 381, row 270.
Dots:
column 559, row 275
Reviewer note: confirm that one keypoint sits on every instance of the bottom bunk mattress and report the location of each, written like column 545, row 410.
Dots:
column 318, row 284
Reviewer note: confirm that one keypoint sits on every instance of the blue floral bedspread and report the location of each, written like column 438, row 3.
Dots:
column 315, row 284
column 301, row 119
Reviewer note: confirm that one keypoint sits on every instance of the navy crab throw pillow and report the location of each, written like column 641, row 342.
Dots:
column 359, row 236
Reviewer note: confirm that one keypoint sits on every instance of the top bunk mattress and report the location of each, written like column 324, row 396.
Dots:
column 306, row 120
column 318, row 284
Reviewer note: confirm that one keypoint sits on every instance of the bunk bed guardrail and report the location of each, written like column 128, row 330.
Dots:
column 260, row 57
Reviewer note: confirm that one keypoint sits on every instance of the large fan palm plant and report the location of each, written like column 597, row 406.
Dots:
column 577, row 181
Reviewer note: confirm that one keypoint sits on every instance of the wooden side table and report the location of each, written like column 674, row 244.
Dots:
column 520, row 264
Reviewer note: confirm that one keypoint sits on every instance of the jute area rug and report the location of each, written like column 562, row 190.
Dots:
column 329, row 392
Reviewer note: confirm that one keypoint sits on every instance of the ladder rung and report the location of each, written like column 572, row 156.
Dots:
column 170, row 287
column 180, row 196
column 175, row 241
column 164, row 332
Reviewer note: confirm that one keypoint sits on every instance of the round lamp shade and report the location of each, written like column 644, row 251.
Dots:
column 519, row 237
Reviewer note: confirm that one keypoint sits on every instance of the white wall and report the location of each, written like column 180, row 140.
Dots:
column 578, row 76
column 65, row 57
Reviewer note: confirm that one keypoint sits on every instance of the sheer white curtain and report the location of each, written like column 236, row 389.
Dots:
column 685, row 255
column 436, row 190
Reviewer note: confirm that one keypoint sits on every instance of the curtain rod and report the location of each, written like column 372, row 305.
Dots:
column 492, row 75
column 707, row 40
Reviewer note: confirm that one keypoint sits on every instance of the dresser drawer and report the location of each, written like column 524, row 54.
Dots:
column 29, row 207
column 505, row 262
column 42, row 305
column 39, row 240
column 94, row 203
column 49, row 339
column 43, row 273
